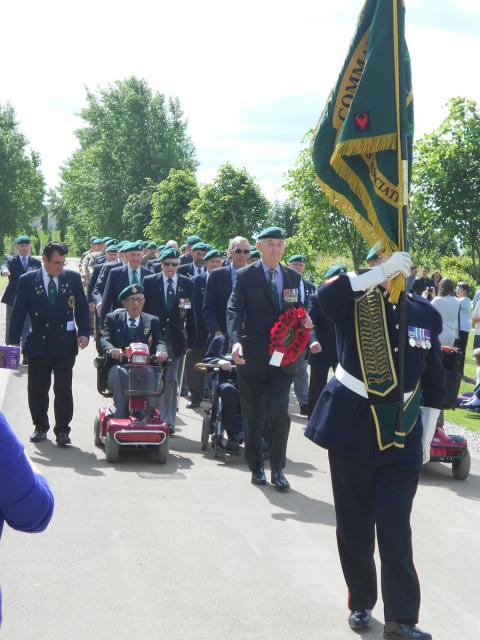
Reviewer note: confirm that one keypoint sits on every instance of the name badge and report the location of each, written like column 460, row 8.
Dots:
column 184, row 303
column 290, row 295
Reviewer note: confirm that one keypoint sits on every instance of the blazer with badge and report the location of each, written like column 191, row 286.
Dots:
column 117, row 281
column 189, row 270
column 53, row 333
column 217, row 293
column 200, row 285
column 343, row 419
column 116, row 334
column 101, row 280
column 251, row 313
column 15, row 266
column 179, row 325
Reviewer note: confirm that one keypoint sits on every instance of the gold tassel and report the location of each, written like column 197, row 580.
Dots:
column 395, row 287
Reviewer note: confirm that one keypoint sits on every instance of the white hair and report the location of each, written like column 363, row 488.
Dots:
column 232, row 243
column 172, row 243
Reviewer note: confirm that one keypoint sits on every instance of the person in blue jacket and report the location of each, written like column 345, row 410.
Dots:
column 375, row 462
column 26, row 502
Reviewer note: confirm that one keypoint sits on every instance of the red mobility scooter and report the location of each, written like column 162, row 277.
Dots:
column 144, row 427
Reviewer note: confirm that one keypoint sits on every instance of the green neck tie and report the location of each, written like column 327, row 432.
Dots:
column 132, row 327
column 273, row 289
column 134, row 277
column 170, row 295
column 52, row 291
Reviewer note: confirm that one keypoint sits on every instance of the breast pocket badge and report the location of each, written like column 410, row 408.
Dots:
column 71, row 302
column 290, row 296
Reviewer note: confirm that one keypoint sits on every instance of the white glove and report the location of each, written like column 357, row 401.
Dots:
column 399, row 262
column 367, row 280
column 429, row 421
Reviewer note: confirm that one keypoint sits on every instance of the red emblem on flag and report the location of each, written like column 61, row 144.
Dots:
column 362, row 121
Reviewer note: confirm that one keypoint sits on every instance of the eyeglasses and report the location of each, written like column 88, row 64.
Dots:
column 171, row 264
column 241, row 251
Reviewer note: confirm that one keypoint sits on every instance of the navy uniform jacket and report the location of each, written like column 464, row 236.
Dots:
column 189, row 270
column 99, row 287
column 116, row 283
column 97, row 269
column 51, row 334
column 179, row 326
column 342, row 420
column 116, row 335
column 310, row 289
column 99, row 260
column 200, row 284
column 15, row 266
column 324, row 333
column 251, row 313
column 217, row 293
column 186, row 259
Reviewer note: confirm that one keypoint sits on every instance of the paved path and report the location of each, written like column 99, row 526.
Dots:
column 191, row 550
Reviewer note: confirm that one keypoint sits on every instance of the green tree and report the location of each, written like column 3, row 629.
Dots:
column 137, row 212
column 170, row 203
column 231, row 204
column 21, row 181
column 285, row 216
column 130, row 135
column 58, row 211
column 321, row 227
column 446, row 183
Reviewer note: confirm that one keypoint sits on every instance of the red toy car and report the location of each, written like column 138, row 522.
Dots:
column 144, row 426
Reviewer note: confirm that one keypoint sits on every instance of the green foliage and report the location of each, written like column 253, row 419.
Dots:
column 137, row 212
column 171, row 201
column 446, row 185
column 21, row 182
column 459, row 269
column 58, row 212
column 130, row 135
column 230, row 205
column 321, row 226
column 285, row 216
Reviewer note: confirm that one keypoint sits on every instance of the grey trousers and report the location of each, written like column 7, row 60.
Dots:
column 300, row 381
column 26, row 325
column 168, row 399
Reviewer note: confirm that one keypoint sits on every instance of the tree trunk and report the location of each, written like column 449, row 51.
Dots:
column 2, row 245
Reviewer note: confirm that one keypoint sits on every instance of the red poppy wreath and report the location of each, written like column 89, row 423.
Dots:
column 288, row 335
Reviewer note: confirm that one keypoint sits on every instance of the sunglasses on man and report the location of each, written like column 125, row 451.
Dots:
column 241, row 251
column 171, row 264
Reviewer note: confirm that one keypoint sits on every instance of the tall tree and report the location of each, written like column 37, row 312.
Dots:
column 58, row 211
column 130, row 134
column 170, row 204
column 231, row 204
column 137, row 212
column 21, row 181
column 446, row 182
column 321, row 228
column 285, row 215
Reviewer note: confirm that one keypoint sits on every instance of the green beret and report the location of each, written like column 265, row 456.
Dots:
column 213, row 253
column 271, row 232
column 169, row 252
column 201, row 246
column 334, row 270
column 254, row 253
column 112, row 248
column 375, row 251
column 22, row 240
column 151, row 245
column 160, row 247
column 131, row 290
column 92, row 239
column 97, row 241
column 134, row 246
column 296, row 258
column 191, row 240
column 183, row 247
column 105, row 239
column 123, row 248
column 110, row 242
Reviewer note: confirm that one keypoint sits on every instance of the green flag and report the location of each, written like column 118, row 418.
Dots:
column 357, row 151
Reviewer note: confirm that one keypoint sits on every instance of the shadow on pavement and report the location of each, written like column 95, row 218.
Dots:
column 438, row 474
column 298, row 506
column 83, row 462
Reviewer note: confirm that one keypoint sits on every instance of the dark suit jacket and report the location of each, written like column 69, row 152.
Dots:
column 186, row 259
column 93, row 280
column 217, row 293
column 115, row 333
column 200, row 284
column 14, row 265
column 116, row 283
column 188, row 270
column 179, row 326
column 310, row 290
column 251, row 313
column 49, row 336
column 99, row 287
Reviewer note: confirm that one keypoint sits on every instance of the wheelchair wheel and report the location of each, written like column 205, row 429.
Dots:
column 205, row 432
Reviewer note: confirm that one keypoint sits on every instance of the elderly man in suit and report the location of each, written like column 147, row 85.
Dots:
column 58, row 309
column 131, row 273
column 170, row 297
column 196, row 267
column 263, row 290
column 121, row 328
column 14, row 267
column 187, row 257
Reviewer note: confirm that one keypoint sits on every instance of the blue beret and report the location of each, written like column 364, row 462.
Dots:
column 271, row 232
column 169, row 252
column 191, row 240
column 213, row 253
column 22, row 240
column 131, row 290
column 298, row 257
column 334, row 270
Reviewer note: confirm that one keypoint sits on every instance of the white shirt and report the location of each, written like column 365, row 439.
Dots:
column 46, row 280
column 165, row 284
column 448, row 307
column 465, row 314
column 476, row 312
column 130, row 274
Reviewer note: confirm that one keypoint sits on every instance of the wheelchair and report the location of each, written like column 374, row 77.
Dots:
column 212, row 425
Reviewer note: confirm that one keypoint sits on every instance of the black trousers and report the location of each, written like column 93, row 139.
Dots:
column 264, row 402
column 230, row 407
column 462, row 344
column 318, row 379
column 368, row 497
column 39, row 380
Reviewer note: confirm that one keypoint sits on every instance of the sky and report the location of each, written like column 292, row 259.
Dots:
column 252, row 77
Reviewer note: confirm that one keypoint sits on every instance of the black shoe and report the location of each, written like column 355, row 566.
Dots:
column 232, row 447
column 360, row 619
column 279, row 481
column 25, row 361
column 304, row 410
column 38, row 436
column 258, row 477
column 63, row 439
column 398, row 631
column 193, row 405
column 171, row 430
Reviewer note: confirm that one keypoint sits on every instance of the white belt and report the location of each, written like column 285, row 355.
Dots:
column 356, row 385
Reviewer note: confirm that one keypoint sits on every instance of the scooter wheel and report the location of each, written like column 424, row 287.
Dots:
column 96, row 431
column 112, row 449
column 461, row 467
column 161, row 453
